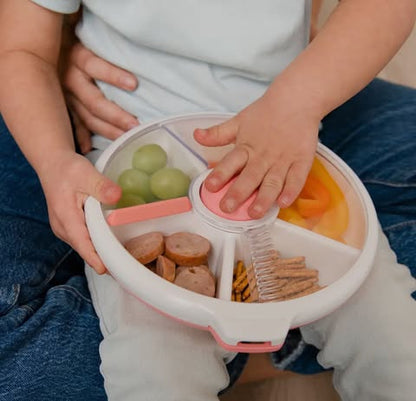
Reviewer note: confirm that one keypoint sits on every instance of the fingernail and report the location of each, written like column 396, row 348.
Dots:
column 283, row 202
column 128, row 82
column 112, row 193
column 132, row 124
column 257, row 210
column 212, row 182
column 230, row 205
column 200, row 131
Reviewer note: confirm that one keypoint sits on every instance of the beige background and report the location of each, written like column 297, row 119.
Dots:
column 402, row 69
column 260, row 382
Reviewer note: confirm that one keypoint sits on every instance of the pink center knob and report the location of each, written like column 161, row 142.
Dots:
column 212, row 201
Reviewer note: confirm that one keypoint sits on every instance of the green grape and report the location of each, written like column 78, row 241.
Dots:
column 128, row 199
column 136, row 182
column 168, row 183
column 149, row 158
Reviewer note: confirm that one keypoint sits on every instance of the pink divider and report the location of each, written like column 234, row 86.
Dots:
column 148, row 211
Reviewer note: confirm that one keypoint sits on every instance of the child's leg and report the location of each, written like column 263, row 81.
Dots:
column 148, row 356
column 49, row 333
column 371, row 340
column 375, row 133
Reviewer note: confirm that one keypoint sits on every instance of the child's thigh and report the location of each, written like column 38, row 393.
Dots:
column 375, row 133
column 370, row 340
column 169, row 359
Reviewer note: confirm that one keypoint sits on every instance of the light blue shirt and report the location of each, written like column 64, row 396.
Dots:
column 192, row 55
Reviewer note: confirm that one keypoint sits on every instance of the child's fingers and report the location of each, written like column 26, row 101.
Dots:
column 231, row 164
column 73, row 231
column 295, row 180
column 83, row 245
column 97, row 68
column 101, row 187
column 91, row 122
column 245, row 184
column 83, row 135
column 269, row 190
column 78, row 237
column 217, row 135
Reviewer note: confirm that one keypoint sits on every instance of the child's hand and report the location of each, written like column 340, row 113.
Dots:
column 67, row 182
column 274, row 147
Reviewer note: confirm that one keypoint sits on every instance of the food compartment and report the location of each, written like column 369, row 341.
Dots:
column 298, row 263
column 184, row 127
column 328, row 204
column 330, row 258
column 151, row 166
column 183, row 255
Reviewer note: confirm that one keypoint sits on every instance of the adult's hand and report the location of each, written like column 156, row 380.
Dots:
column 91, row 111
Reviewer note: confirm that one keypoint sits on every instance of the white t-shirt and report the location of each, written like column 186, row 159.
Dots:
column 190, row 55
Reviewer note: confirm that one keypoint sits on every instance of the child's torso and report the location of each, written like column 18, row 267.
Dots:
column 189, row 55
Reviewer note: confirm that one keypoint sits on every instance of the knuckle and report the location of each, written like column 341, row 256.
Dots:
column 100, row 184
column 89, row 65
column 89, row 121
column 95, row 104
column 237, row 193
column 272, row 181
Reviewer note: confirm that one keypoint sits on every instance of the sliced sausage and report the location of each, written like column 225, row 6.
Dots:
column 146, row 247
column 165, row 268
column 196, row 278
column 187, row 249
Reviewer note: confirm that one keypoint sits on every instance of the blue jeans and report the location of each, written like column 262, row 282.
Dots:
column 49, row 333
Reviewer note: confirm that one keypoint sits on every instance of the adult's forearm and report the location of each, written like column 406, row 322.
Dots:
column 357, row 41
column 32, row 105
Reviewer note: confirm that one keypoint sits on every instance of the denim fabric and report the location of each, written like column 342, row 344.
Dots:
column 49, row 333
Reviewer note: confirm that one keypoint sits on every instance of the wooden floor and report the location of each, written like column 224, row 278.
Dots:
column 260, row 382
column 286, row 388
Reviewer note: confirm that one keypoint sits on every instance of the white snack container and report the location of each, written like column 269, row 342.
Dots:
column 237, row 326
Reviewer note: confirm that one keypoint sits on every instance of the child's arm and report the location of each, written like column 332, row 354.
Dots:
column 276, row 136
column 33, row 107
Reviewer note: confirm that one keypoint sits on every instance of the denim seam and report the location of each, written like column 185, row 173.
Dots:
column 72, row 290
column 295, row 354
column 52, row 273
column 28, row 308
column 389, row 183
column 16, row 292
column 399, row 225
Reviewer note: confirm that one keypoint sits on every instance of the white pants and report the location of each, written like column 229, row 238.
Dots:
column 370, row 342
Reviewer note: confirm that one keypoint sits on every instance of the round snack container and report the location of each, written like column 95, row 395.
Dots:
column 338, row 241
